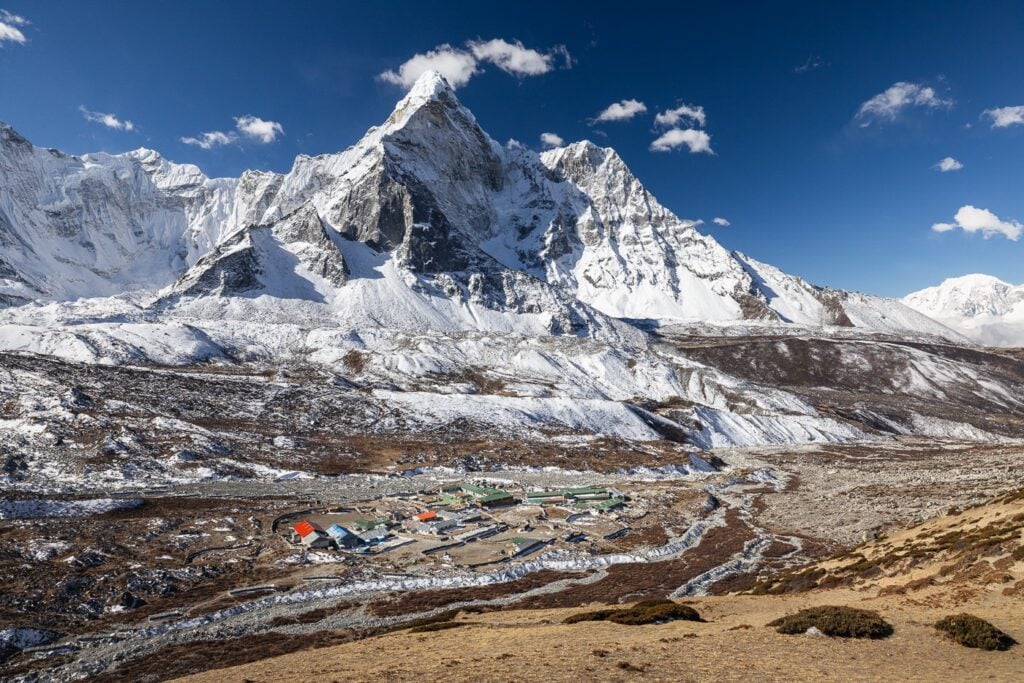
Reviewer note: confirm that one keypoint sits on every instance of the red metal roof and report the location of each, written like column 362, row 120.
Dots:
column 426, row 516
column 305, row 528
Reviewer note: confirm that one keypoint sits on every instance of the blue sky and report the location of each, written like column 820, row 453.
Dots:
column 807, row 183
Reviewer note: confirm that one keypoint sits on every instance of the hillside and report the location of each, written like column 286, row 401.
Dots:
column 970, row 561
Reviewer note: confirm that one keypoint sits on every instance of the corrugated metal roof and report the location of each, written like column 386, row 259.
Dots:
column 426, row 516
column 338, row 531
column 305, row 528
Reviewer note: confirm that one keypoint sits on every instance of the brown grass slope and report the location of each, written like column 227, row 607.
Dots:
column 971, row 561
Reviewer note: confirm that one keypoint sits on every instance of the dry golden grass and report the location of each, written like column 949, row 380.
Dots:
column 536, row 645
column 972, row 565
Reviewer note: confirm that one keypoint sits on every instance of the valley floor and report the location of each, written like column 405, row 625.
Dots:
column 968, row 561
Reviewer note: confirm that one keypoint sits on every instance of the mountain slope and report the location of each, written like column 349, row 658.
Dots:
column 980, row 307
column 455, row 232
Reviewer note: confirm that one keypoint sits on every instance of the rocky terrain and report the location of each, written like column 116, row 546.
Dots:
column 188, row 365
column 967, row 561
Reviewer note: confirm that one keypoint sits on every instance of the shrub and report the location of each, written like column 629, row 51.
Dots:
column 646, row 612
column 837, row 622
column 972, row 631
column 657, row 614
column 596, row 615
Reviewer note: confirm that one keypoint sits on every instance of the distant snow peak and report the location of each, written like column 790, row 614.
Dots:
column 981, row 307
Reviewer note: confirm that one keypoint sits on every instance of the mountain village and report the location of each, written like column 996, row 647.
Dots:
column 468, row 524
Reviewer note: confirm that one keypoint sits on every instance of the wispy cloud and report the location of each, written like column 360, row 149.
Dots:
column 108, row 120
column 551, row 140
column 813, row 63
column 971, row 219
column 621, row 111
column 211, row 139
column 948, row 164
column 888, row 105
column 9, row 31
column 458, row 65
column 721, row 222
column 1004, row 117
column 684, row 112
column 697, row 141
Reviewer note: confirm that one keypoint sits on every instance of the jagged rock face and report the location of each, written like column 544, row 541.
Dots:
column 90, row 226
column 565, row 236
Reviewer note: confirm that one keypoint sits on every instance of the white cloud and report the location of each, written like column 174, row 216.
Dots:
column 108, row 120
column 256, row 128
column 9, row 31
column 214, row 138
column 457, row 66
column 251, row 127
column 971, row 219
column 621, row 111
column 948, row 164
column 512, row 58
column 888, row 105
column 696, row 140
column 721, row 222
column 684, row 112
column 551, row 140
column 1004, row 117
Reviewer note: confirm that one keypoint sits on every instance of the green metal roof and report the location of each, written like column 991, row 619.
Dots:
column 479, row 490
column 497, row 495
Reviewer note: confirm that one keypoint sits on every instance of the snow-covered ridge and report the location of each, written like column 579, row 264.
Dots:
column 980, row 307
column 426, row 223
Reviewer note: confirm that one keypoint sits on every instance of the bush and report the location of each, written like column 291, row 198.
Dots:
column 657, row 614
column 597, row 615
column 837, row 622
column 646, row 612
column 972, row 631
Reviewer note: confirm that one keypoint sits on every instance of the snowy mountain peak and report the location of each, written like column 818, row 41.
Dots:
column 429, row 86
column 968, row 295
column 981, row 307
column 426, row 222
